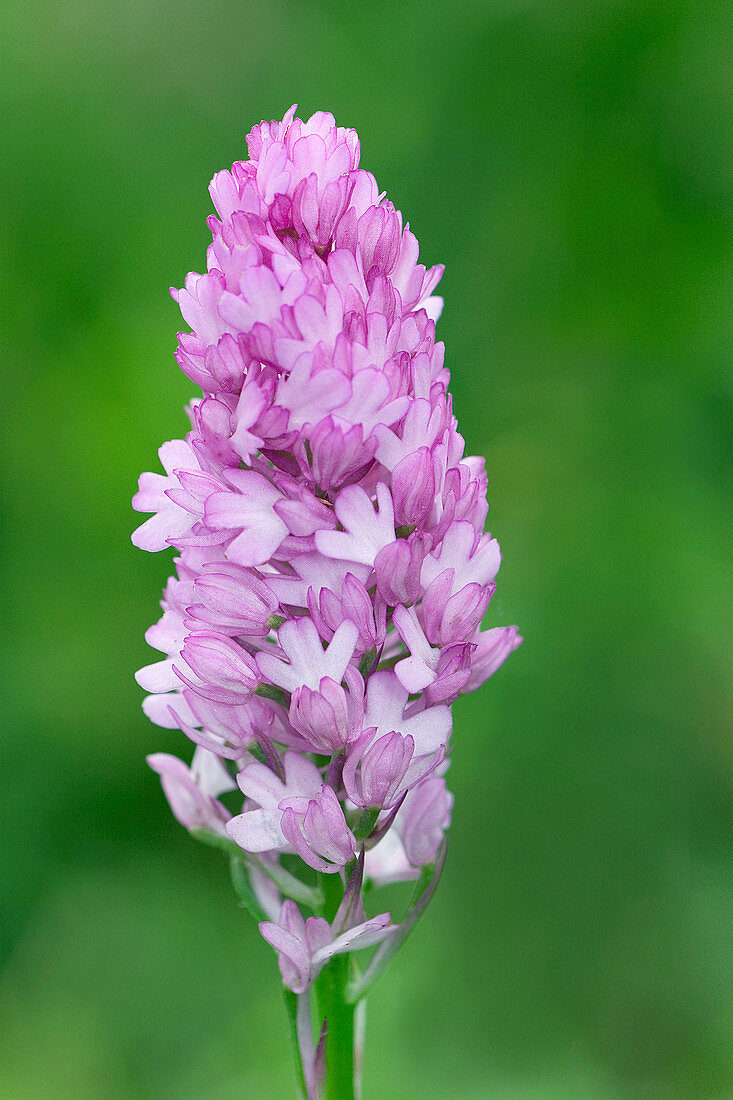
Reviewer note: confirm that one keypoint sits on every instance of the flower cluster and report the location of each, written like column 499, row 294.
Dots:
column 333, row 569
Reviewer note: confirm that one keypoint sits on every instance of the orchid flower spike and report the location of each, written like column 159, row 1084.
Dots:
column 332, row 571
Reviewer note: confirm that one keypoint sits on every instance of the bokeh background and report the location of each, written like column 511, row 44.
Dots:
column 570, row 163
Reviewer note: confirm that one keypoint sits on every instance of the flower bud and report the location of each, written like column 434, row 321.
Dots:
column 378, row 234
column 355, row 603
column 423, row 820
column 452, row 673
column 397, row 568
column 317, row 830
column 413, row 488
column 374, row 769
column 450, row 619
column 191, row 792
column 492, row 649
column 226, row 672
column 327, row 718
column 233, row 600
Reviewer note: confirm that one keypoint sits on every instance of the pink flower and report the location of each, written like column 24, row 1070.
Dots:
column 305, row 946
column 423, row 819
column 259, row 830
column 378, row 772
column 355, row 603
column 413, row 488
column 233, row 600
column 329, row 718
column 247, row 507
column 492, row 649
column 177, row 499
column 366, row 530
column 387, row 709
column 192, row 792
column 317, row 830
column 224, row 671
column 308, row 663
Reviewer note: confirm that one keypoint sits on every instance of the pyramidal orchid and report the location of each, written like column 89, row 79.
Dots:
column 332, row 573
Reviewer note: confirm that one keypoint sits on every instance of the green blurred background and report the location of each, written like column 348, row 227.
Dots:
column 570, row 164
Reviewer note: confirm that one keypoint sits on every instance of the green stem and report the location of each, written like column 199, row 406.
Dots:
column 339, row 1016
column 333, row 1007
column 291, row 1004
